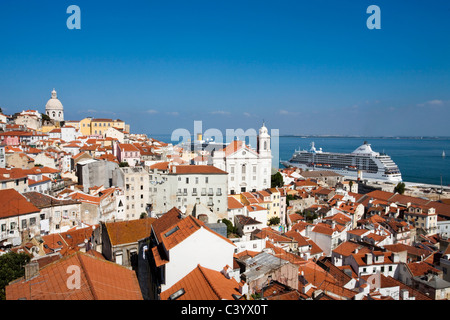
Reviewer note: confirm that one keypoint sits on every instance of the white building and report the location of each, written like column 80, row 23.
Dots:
column 136, row 192
column 19, row 219
column 69, row 133
column 185, row 243
column 189, row 186
column 249, row 169
column 2, row 156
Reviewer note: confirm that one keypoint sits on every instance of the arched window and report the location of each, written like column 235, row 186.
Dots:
column 54, row 114
column 265, row 145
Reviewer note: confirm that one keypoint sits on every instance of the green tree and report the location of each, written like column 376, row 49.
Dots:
column 289, row 197
column 400, row 188
column 277, row 180
column 230, row 228
column 123, row 164
column 274, row 221
column 45, row 117
column 11, row 268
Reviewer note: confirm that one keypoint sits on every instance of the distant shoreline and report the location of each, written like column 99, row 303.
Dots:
column 341, row 136
column 366, row 137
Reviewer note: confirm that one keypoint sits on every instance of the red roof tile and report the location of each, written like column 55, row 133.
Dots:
column 99, row 280
column 14, row 204
column 204, row 284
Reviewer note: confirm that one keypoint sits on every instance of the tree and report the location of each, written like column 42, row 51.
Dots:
column 400, row 188
column 11, row 268
column 123, row 164
column 45, row 117
column 289, row 197
column 277, row 180
column 230, row 228
column 274, row 221
column 143, row 215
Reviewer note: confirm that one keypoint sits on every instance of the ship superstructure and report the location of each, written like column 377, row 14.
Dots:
column 362, row 162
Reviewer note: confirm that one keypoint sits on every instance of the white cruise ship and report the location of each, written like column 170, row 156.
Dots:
column 363, row 162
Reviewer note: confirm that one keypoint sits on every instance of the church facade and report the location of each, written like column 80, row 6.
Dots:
column 248, row 169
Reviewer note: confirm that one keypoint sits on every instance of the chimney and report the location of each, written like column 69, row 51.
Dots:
column 226, row 272
column 369, row 260
column 31, row 270
column 243, row 288
column 405, row 294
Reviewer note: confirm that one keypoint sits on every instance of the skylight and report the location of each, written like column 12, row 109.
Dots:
column 171, row 231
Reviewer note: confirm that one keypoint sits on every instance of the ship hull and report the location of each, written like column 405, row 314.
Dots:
column 347, row 173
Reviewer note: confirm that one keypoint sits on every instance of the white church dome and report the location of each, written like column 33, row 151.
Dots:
column 54, row 103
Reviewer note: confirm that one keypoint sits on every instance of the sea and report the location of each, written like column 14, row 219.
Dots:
column 420, row 159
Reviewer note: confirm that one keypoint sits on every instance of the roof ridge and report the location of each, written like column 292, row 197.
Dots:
column 211, row 283
column 88, row 279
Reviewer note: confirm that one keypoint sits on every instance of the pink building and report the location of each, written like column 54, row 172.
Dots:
column 126, row 152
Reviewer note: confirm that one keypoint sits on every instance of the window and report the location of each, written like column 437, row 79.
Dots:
column 206, row 179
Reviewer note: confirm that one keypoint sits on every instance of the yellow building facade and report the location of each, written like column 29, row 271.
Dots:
column 92, row 126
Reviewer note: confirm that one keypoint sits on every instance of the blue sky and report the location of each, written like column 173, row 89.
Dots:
column 305, row 67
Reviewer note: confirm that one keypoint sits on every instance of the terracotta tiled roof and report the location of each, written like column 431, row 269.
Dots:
column 273, row 235
column 129, row 231
column 167, row 220
column 244, row 220
column 325, row 228
column 421, row 268
column 160, row 166
column 99, row 280
column 347, row 248
column 301, row 240
column 204, row 284
column 128, row 147
column 183, row 229
column 233, row 147
column 233, row 203
column 197, row 169
column 14, row 204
